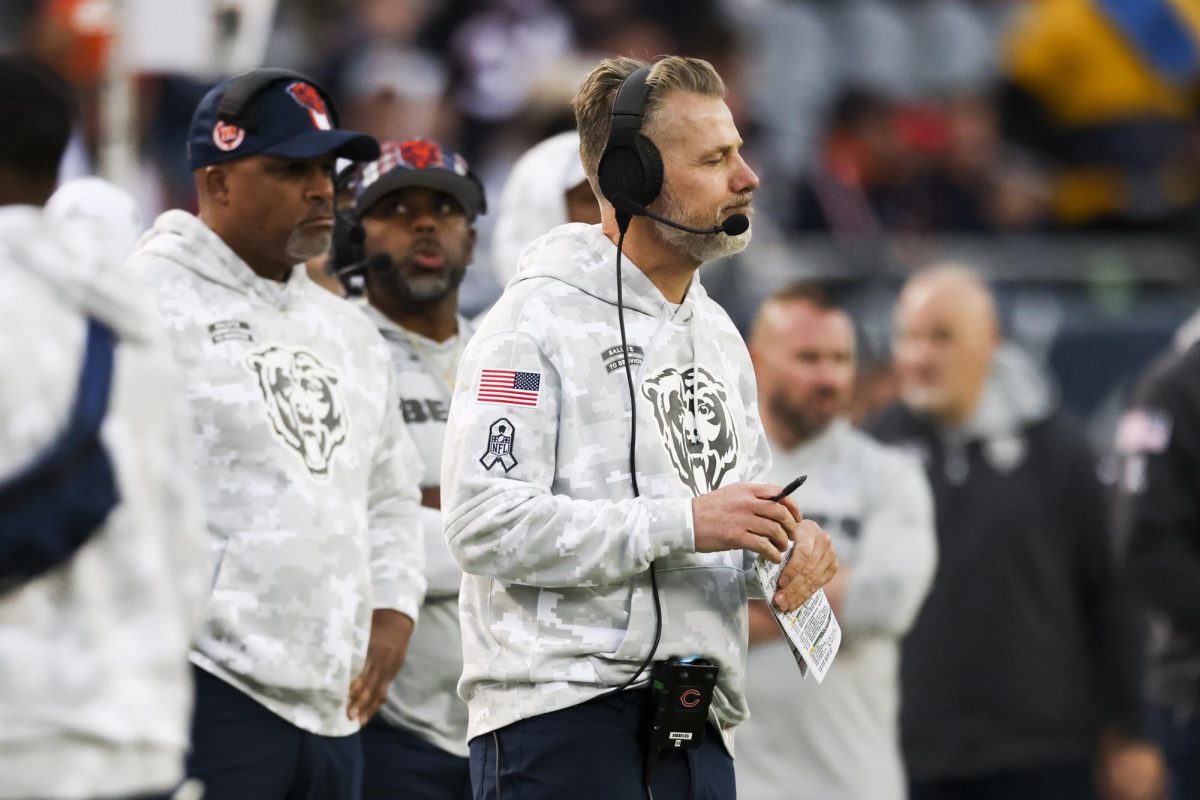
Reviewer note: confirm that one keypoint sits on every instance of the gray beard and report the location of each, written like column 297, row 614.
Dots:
column 425, row 289
column 303, row 245
column 702, row 247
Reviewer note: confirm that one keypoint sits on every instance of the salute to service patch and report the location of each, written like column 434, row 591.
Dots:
column 504, row 387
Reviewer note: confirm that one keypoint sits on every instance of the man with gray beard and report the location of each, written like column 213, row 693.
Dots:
column 603, row 469
column 309, row 475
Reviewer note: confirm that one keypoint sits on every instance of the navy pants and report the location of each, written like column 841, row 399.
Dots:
column 399, row 765
column 592, row 751
column 242, row 751
column 1068, row 781
column 1180, row 743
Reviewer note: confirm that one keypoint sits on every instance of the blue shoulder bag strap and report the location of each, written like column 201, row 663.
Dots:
column 53, row 506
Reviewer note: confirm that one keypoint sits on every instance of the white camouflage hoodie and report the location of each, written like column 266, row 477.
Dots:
column 309, row 476
column 95, row 686
column 538, row 509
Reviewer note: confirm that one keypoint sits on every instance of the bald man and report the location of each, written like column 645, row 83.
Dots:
column 1020, row 675
column 841, row 735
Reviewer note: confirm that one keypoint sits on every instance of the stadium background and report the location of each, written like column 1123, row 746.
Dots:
column 1052, row 144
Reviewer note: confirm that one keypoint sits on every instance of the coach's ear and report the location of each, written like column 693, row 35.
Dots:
column 214, row 182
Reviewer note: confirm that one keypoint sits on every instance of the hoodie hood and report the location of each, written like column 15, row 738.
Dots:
column 112, row 210
column 582, row 256
column 534, row 199
column 183, row 239
column 71, row 257
column 1017, row 393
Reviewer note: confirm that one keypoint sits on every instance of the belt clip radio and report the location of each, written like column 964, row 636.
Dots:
column 681, row 690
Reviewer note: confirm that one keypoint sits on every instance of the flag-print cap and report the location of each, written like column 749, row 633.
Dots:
column 422, row 163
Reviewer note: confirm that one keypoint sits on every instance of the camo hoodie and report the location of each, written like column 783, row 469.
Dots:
column 556, row 604
column 309, row 476
column 95, row 687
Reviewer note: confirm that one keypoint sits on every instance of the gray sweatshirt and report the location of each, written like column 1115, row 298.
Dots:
column 556, row 605
column 840, row 739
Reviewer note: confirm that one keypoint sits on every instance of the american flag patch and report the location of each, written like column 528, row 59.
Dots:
column 508, row 388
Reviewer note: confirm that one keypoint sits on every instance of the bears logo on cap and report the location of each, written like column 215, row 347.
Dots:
column 421, row 154
column 307, row 96
column 227, row 136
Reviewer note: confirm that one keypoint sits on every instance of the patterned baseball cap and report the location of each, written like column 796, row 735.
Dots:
column 289, row 117
column 422, row 163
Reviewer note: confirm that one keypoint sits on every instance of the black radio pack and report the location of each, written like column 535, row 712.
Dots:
column 681, row 690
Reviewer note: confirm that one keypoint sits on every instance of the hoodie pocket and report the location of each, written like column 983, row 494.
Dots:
column 632, row 631
column 288, row 609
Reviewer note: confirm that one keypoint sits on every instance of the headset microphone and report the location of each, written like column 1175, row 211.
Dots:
column 379, row 261
column 734, row 225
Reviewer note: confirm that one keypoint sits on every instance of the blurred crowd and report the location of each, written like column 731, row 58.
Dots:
column 873, row 116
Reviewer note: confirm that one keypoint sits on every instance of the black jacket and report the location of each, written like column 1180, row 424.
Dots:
column 1159, row 513
column 1025, row 646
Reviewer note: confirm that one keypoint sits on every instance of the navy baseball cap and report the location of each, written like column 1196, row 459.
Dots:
column 421, row 163
column 280, row 113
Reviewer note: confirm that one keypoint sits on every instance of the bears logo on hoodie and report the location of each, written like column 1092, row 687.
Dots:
column 705, row 453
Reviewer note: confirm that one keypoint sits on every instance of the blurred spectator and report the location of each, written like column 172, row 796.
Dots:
column 546, row 188
column 1159, row 439
column 918, row 167
column 102, row 560
column 390, row 81
column 1025, row 656
column 498, row 52
column 390, row 87
column 1107, row 91
column 838, row 740
column 976, row 183
column 862, row 183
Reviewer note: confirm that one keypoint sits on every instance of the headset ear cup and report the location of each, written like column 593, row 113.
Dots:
column 620, row 171
column 631, row 166
column 652, row 170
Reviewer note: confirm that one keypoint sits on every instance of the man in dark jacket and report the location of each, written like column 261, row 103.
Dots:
column 1020, row 673
column 1159, row 439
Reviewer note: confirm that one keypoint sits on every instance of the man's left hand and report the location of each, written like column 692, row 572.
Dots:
column 811, row 565
column 390, row 632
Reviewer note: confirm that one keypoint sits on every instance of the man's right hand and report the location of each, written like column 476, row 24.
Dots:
column 744, row 517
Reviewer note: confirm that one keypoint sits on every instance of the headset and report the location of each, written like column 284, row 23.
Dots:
column 235, row 102
column 631, row 165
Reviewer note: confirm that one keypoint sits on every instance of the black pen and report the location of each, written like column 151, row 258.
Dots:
column 791, row 487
